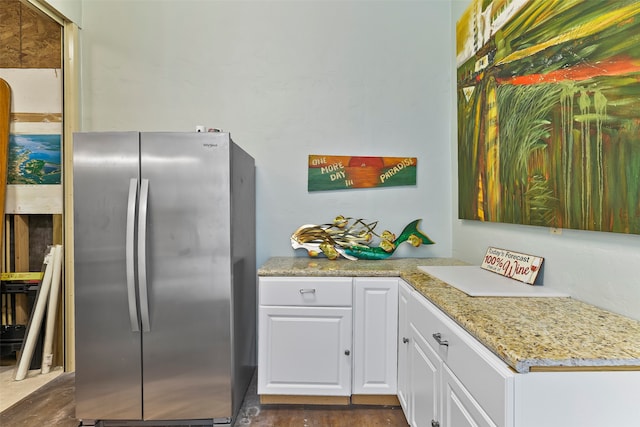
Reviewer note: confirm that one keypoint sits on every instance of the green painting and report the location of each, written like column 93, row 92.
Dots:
column 549, row 113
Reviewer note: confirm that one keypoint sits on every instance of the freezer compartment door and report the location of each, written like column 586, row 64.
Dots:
column 108, row 341
column 186, row 352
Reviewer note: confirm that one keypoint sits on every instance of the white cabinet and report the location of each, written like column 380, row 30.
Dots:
column 304, row 340
column 306, row 351
column 449, row 379
column 335, row 337
column 404, row 332
column 453, row 381
column 460, row 409
column 327, row 336
column 424, row 376
column 375, row 332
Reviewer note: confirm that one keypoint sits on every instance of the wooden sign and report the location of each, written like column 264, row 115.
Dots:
column 344, row 172
column 521, row 267
column 5, row 126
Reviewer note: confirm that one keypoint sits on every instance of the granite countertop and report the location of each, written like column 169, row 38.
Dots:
column 527, row 333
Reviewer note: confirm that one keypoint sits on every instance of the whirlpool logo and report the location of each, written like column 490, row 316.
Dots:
column 209, row 145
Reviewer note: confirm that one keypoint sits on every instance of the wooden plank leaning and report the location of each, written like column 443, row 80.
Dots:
column 5, row 121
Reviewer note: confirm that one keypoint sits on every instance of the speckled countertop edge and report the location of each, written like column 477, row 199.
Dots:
column 524, row 332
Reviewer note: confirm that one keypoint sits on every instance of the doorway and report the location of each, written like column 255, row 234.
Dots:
column 34, row 60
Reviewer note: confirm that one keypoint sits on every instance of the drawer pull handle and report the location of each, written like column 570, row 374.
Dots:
column 307, row 291
column 438, row 337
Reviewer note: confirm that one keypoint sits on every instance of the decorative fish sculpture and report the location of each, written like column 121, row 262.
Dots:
column 354, row 240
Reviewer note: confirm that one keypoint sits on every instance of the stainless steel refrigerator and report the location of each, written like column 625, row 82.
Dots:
column 165, row 277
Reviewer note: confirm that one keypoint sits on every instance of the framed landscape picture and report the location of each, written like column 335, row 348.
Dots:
column 34, row 159
column 34, row 169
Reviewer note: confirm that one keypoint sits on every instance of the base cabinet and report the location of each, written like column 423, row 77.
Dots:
column 375, row 332
column 307, row 350
column 424, row 394
column 404, row 333
column 460, row 409
column 327, row 336
column 340, row 336
column 434, row 394
column 448, row 379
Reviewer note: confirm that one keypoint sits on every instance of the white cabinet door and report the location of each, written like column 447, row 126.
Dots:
column 375, row 335
column 424, row 372
column 404, row 333
column 460, row 408
column 483, row 375
column 305, row 351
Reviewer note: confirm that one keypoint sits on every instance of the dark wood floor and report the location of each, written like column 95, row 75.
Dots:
column 53, row 406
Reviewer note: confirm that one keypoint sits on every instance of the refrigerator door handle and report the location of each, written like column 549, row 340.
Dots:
column 142, row 255
column 130, row 253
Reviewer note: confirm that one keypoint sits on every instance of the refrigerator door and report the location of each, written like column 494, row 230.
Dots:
column 108, row 342
column 186, row 352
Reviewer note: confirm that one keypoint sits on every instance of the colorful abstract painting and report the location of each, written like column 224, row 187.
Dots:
column 549, row 113
column 345, row 172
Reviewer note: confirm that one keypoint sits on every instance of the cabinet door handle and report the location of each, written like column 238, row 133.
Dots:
column 434, row 423
column 405, row 340
column 438, row 337
column 347, row 352
column 307, row 291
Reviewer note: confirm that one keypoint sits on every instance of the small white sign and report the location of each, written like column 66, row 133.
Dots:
column 521, row 267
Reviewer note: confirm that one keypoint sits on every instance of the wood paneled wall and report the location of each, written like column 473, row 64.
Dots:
column 28, row 39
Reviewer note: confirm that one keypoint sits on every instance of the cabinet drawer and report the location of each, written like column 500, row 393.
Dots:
column 422, row 316
column 307, row 291
column 487, row 378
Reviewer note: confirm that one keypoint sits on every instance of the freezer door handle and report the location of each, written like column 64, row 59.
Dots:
column 142, row 255
column 130, row 253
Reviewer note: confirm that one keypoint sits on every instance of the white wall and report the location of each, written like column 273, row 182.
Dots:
column 600, row 268
column 294, row 78
column 288, row 79
column 70, row 9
